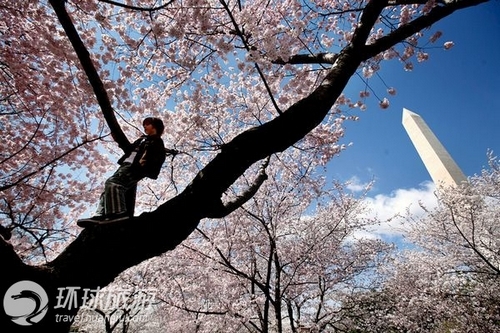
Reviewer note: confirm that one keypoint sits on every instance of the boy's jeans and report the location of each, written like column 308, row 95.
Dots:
column 119, row 193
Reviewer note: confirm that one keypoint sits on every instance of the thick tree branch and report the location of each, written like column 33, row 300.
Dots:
column 8, row 257
column 6, row 233
column 91, row 72
column 370, row 15
column 422, row 22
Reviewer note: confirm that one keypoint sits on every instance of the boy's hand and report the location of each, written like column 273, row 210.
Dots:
column 172, row 151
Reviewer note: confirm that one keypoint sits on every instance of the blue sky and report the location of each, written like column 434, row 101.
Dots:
column 457, row 92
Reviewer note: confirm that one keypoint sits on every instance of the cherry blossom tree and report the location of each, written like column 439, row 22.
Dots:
column 236, row 82
column 450, row 281
column 280, row 264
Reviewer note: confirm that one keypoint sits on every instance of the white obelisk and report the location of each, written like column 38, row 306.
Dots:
column 438, row 162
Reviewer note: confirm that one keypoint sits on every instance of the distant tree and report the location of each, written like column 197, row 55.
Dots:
column 450, row 281
column 244, row 81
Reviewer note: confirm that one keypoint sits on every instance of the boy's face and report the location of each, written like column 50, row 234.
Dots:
column 149, row 129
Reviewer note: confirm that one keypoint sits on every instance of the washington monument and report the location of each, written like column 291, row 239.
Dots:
column 438, row 162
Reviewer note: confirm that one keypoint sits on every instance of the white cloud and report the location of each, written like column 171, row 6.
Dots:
column 354, row 184
column 392, row 209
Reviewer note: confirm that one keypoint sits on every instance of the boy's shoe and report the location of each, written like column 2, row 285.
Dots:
column 90, row 221
column 99, row 219
column 115, row 218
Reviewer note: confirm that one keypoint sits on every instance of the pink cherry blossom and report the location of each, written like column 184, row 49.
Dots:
column 384, row 104
column 448, row 45
column 422, row 56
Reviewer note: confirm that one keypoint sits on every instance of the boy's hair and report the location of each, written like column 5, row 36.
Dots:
column 157, row 124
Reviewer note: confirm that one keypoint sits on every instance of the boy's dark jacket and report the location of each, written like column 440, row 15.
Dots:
column 151, row 151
